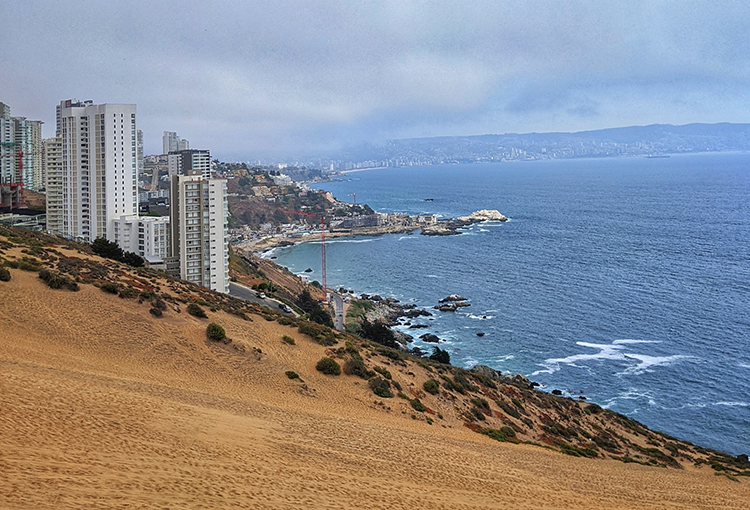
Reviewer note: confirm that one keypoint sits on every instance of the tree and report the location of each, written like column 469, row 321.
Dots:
column 440, row 356
column 307, row 304
column 107, row 249
column 378, row 332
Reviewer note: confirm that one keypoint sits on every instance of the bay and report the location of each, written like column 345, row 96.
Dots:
column 626, row 281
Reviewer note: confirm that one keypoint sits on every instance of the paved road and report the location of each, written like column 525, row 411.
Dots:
column 338, row 308
column 247, row 294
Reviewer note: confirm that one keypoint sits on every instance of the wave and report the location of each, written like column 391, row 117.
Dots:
column 481, row 317
column 647, row 362
column 613, row 352
column 431, row 276
column 744, row 365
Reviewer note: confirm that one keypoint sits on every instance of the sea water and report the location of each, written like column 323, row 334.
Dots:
column 624, row 281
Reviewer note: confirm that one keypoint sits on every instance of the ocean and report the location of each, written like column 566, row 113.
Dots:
column 625, row 280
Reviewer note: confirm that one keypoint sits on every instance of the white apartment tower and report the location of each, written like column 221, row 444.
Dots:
column 53, row 183
column 190, row 162
column 98, row 177
column 198, row 220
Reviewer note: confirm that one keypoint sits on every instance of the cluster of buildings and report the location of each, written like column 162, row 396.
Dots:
column 89, row 171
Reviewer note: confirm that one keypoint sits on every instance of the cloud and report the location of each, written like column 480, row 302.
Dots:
column 289, row 76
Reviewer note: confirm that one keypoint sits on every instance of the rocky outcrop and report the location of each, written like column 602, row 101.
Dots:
column 450, row 227
column 484, row 215
column 430, row 338
column 452, row 297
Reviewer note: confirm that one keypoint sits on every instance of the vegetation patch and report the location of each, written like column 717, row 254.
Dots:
column 418, row 405
column 196, row 311
column 319, row 334
column 110, row 288
column 381, row 387
column 577, row 451
column 4, row 274
column 356, row 366
column 328, row 366
column 431, row 386
column 288, row 340
column 291, row 374
column 215, row 332
column 56, row 280
column 503, row 434
column 384, row 372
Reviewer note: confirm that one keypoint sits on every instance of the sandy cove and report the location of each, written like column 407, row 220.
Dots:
column 104, row 406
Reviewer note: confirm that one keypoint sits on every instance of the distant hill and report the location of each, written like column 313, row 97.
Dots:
column 656, row 139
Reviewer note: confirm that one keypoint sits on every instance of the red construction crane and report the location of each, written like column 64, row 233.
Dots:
column 322, row 246
column 15, row 186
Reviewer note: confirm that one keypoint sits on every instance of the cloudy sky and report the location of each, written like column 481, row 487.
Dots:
column 254, row 78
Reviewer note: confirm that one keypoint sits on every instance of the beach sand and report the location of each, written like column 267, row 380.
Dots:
column 103, row 406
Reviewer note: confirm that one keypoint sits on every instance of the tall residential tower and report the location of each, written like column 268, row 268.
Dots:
column 97, row 174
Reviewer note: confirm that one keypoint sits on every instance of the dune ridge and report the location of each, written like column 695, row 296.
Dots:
column 105, row 406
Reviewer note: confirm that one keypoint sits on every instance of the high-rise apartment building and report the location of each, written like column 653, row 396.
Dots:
column 172, row 143
column 198, row 221
column 53, row 182
column 98, row 173
column 21, row 157
column 190, row 162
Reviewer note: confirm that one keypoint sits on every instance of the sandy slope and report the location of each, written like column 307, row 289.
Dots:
column 102, row 406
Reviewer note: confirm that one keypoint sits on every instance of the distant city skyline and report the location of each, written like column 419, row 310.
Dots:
column 295, row 78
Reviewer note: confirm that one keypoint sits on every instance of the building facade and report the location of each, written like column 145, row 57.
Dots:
column 21, row 157
column 173, row 143
column 190, row 162
column 148, row 236
column 53, row 182
column 98, row 170
column 200, row 235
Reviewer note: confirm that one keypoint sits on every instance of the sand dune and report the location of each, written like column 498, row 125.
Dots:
column 103, row 406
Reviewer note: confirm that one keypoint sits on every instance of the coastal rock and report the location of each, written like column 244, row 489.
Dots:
column 418, row 326
column 480, row 334
column 308, row 270
column 486, row 371
column 557, row 392
column 447, row 308
column 452, row 297
column 413, row 313
column 484, row 215
column 430, row 338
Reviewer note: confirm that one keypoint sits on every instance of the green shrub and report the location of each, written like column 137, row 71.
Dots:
column 592, row 409
column 196, row 311
column 328, row 366
column 156, row 312
column 478, row 414
column 215, row 332
column 384, row 372
column 285, row 321
column 504, row 434
column 576, row 451
column 418, row 405
column 291, row 374
column 510, row 411
column 431, row 386
column 288, row 340
column 482, row 404
column 110, row 288
column 355, row 366
column 4, row 274
column 129, row 293
column 381, row 387
column 56, row 280
column 319, row 334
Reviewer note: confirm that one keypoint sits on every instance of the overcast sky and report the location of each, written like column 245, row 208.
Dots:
column 252, row 78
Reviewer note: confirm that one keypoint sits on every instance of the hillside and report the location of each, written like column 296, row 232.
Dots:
column 105, row 405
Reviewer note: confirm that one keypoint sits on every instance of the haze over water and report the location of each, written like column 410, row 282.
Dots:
column 626, row 281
